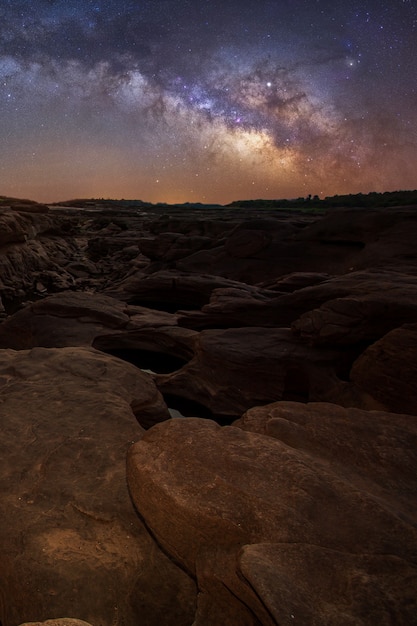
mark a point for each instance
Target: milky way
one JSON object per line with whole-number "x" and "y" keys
{"x": 207, "y": 100}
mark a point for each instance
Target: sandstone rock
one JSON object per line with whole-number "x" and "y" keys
{"x": 346, "y": 321}
{"x": 172, "y": 246}
{"x": 204, "y": 222}
{"x": 30, "y": 249}
{"x": 303, "y": 584}
{"x": 32, "y": 207}
{"x": 311, "y": 519}
{"x": 390, "y": 300}
{"x": 163, "y": 340}
{"x": 142, "y": 317}
{"x": 295, "y": 280}
{"x": 375, "y": 449}
{"x": 245, "y": 243}
{"x": 235, "y": 369}
{"x": 369, "y": 238}
{"x": 169, "y": 289}
{"x": 257, "y": 255}
{"x": 63, "y": 621}
{"x": 335, "y": 243}
{"x": 392, "y": 290}
{"x": 13, "y": 229}
{"x": 63, "y": 319}
{"x": 71, "y": 542}
{"x": 289, "y": 529}
{"x": 387, "y": 370}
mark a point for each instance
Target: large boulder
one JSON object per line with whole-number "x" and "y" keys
{"x": 169, "y": 289}
{"x": 169, "y": 346}
{"x": 63, "y": 319}
{"x": 288, "y": 528}
{"x": 387, "y": 370}
{"x": 235, "y": 369}
{"x": 378, "y": 303}
{"x": 71, "y": 543}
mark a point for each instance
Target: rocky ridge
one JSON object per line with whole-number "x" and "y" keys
{"x": 287, "y": 339}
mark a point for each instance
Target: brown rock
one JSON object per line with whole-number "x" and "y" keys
{"x": 63, "y": 621}
{"x": 303, "y": 584}
{"x": 172, "y": 246}
{"x": 366, "y": 446}
{"x": 63, "y": 319}
{"x": 368, "y": 237}
{"x": 387, "y": 370}
{"x": 335, "y": 243}
{"x": 390, "y": 300}
{"x": 70, "y": 540}
{"x": 235, "y": 369}
{"x": 343, "y": 540}
{"x": 32, "y": 207}
{"x": 375, "y": 298}
{"x": 28, "y": 249}
{"x": 245, "y": 243}
{"x": 163, "y": 340}
{"x": 169, "y": 289}
{"x": 295, "y": 280}
{"x": 13, "y": 228}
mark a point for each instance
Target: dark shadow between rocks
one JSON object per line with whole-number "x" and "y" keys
{"x": 344, "y": 243}
{"x": 167, "y": 306}
{"x": 296, "y": 385}
{"x": 183, "y": 407}
{"x": 147, "y": 360}
{"x": 14, "y": 304}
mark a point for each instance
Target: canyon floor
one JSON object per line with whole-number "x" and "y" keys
{"x": 208, "y": 415}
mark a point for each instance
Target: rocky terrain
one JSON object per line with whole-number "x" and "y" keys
{"x": 208, "y": 415}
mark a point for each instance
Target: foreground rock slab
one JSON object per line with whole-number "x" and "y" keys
{"x": 278, "y": 526}
{"x": 71, "y": 543}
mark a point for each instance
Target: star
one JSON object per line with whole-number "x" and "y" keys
{"x": 105, "y": 92}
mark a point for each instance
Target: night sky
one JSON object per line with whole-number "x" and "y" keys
{"x": 209, "y": 100}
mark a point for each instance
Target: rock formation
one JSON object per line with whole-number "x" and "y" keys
{"x": 71, "y": 543}
{"x": 249, "y": 513}
{"x": 294, "y": 332}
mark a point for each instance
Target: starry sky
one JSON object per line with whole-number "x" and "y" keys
{"x": 207, "y": 100}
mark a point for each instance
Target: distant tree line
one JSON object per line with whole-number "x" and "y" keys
{"x": 373, "y": 199}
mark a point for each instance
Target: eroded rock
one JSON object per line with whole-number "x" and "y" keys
{"x": 62, "y": 320}
{"x": 387, "y": 370}
{"x": 235, "y": 369}
{"x": 71, "y": 541}
{"x": 286, "y": 528}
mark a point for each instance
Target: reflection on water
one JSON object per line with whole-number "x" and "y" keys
{"x": 174, "y": 413}
{"x": 180, "y": 407}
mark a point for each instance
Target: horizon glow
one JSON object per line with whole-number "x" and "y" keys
{"x": 175, "y": 101}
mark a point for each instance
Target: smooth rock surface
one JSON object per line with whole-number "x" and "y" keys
{"x": 387, "y": 370}
{"x": 71, "y": 542}
{"x": 235, "y": 369}
{"x": 62, "y": 320}
{"x": 287, "y": 525}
